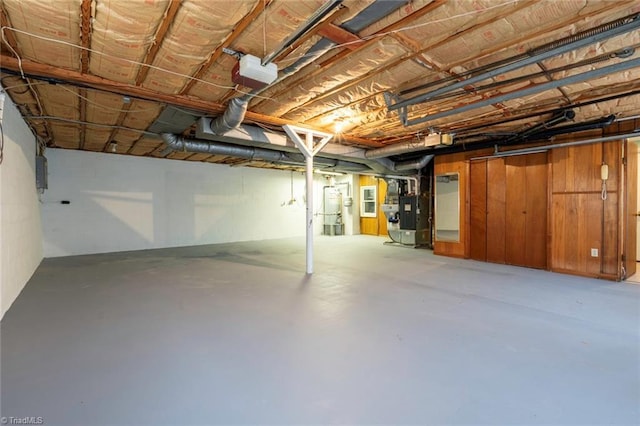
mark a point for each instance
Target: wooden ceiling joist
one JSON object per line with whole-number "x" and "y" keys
{"x": 75, "y": 78}
{"x": 317, "y": 30}
{"x": 85, "y": 35}
{"x": 417, "y": 53}
{"x": 341, "y": 36}
{"x": 190, "y": 102}
{"x": 83, "y": 116}
{"x": 172, "y": 9}
{"x": 607, "y": 8}
{"x": 361, "y": 46}
{"x": 407, "y": 52}
{"x": 233, "y": 35}
{"x": 119, "y": 122}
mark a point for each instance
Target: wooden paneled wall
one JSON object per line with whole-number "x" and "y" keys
{"x": 630, "y": 213}
{"x": 546, "y": 210}
{"x": 508, "y": 210}
{"x": 374, "y": 225}
{"x": 581, "y": 221}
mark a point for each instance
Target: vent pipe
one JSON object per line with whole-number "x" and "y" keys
{"x": 545, "y": 125}
{"x": 414, "y": 165}
{"x": 232, "y": 116}
{"x": 179, "y": 143}
{"x": 412, "y": 146}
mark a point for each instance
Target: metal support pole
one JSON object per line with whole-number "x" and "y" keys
{"x": 309, "y": 176}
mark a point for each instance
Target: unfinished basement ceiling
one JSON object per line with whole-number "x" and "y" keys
{"x": 90, "y": 73}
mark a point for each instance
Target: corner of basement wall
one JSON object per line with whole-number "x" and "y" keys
{"x": 20, "y": 220}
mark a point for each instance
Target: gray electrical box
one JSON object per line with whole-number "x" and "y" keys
{"x": 41, "y": 172}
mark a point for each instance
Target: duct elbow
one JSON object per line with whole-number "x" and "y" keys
{"x": 174, "y": 142}
{"x": 231, "y": 118}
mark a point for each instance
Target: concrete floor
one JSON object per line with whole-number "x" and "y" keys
{"x": 236, "y": 333}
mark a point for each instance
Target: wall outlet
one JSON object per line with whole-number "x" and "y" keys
{"x": 594, "y": 252}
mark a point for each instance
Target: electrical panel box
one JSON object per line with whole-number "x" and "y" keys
{"x": 41, "y": 172}
{"x": 407, "y": 213}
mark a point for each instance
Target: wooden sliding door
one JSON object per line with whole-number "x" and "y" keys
{"x": 508, "y": 214}
{"x": 478, "y": 210}
{"x": 526, "y": 210}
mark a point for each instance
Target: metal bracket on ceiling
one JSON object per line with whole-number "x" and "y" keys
{"x": 234, "y": 53}
{"x": 391, "y": 99}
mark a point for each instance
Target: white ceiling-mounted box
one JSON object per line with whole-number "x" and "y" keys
{"x": 249, "y": 72}
{"x": 435, "y": 139}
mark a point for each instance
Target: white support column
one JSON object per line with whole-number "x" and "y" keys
{"x": 309, "y": 149}
{"x": 309, "y": 176}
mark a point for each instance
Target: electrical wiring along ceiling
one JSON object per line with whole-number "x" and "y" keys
{"x": 96, "y": 75}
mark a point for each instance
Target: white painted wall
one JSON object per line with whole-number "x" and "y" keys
{"x": 20, "y": 230}
{"x": 120, "y": 203}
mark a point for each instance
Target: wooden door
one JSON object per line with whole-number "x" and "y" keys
{"x": 631, "y": 208}
{"x": 536, "y": 208}
{"x": 478, "y": 210}
{"x": 374, "y": 225}
{"x": 526, "y": 210}
{"x": 516, "y": 210}
{"x": 382, "y": 218}
{"x": 496, "y": 210}
{"x": 487, "y": 210}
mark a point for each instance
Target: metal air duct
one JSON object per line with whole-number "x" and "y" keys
{"x": 414, "y": 165}
{"x": 179, "y": 143}
{"x": 232, "y": 116}
{"x": 407, "y": 147}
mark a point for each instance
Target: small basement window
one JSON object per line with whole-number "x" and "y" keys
{"x": 368, "y": 197}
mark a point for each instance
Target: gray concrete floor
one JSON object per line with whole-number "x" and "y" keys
{"x": 236, "y": 333}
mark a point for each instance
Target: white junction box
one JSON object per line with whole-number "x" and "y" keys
{"x": 251, "y": 73}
